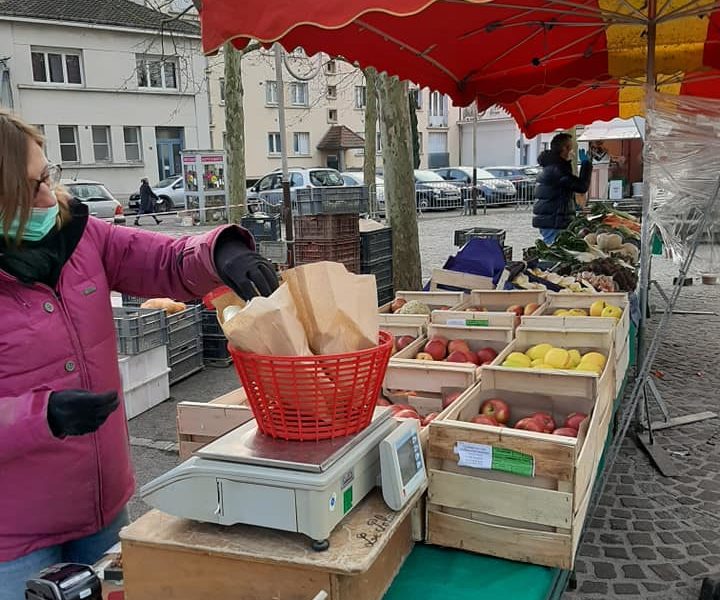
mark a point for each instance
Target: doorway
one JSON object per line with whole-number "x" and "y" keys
{"x": 169, "y": 141}
{"x": 332, "y": 162}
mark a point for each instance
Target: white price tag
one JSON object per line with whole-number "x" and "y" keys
{"x": 477, "y": 456}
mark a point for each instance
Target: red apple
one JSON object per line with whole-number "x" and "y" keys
{"x": 448, "y": 399}
{"x": 573, "y": 420}
{"x": 404, "y": 341}
{"x": 486, "y": 355}
{"x": 429, "y": 418}
{"x": 496, "y": 408}
{"x": 408, "y": 413}
{"x": 436, "y": 348}
{"x": 440, "y": 338}
{"x": 458, "y": 345}
{"x": 472, "y": 357}
{"x": 531, "y": 308}
{"x": 457, "y": 356}
{"x": 566, "y": 431}
{"x": 383, "y": 401}
{"x": 423, "y": 356}
{"x": 546, "y": 420}
{"x": 397, "y": 304}
{"x": 517, "y": 309}
{"x": 484, "y": 420}
{"x": 529, "y": 424}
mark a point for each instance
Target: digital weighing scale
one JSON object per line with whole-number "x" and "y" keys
{"x": 305, "y": 487}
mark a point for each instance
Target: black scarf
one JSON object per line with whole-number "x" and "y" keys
{"x": 42, "y": 261}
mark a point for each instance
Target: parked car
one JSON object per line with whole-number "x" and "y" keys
{"x": 170, "y": 193}
{"x": 377, "y": 191}
{"x": 523, "y": 179}
{"x": 99, "y": 200}
{"x": 267, "y": 192}
{"x": 433, "y": 192}
{"x": 490, "y": 188}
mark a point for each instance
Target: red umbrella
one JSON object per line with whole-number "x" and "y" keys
{"x": 494, "y": 51}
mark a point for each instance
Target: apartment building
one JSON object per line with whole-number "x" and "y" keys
{"x": 118, "y": 88}
{"x": 325, "y": 116}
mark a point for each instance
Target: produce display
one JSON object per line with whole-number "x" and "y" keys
{"x": 519, "y": 310}
{"x": 496, "y": 412}
{"x": 599, "y": 308}
{"x": 401, "y": 342}
{"x": 439, "y": 348}
{"x": 598, "y": 252}
{"x": 405, "y": 410}
{"x": 400, "y": 306}
{"x": 546, "y": 356}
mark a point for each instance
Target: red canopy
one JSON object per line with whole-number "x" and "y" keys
{"x": 495, "y": 51}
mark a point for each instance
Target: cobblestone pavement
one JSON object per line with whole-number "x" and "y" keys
{"x": 650, "y": 537}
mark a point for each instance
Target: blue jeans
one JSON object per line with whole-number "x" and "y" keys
{"x": 549, "y": 235}
{"x": 87, "y": 551}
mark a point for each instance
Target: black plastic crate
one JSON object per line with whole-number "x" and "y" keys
{"x": 210, "y": 324}
{"x": 326, "y": 227}
{"x": 385, "y": 294}
{"x": 508, "y": 253}
{"x": 382, "y": 269}
{"x": 462, "y": 236}
{"x": 215, "y": 347}
{"x": 375, "y": 245}
{"x": 263, "y": 229}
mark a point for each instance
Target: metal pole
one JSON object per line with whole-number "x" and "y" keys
{"x": 287, "y": 203}
{"x": 474, "y": 193}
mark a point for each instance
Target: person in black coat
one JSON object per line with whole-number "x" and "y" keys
{"x": 147, "y": 202}
{"x": 556, "y": 187}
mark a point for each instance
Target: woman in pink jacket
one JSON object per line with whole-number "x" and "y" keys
{"x": 65, "y": 470}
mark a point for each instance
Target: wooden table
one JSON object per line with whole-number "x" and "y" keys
{"x": 168, "y": 557}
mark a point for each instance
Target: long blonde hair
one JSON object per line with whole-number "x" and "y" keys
{"x": 16, "y": 190}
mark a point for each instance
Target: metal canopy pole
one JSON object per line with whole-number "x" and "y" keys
{"x": 286, "y": 203}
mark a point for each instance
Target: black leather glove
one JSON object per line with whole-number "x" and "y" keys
{"x": 77, "y": 412}
{"x": 245, "y": 271}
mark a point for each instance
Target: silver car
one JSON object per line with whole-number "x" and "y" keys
{"x": 99, "y": 200}
{"x": 266, "y": 194}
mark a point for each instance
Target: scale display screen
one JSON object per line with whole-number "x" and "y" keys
{"x": 409, "y": 463}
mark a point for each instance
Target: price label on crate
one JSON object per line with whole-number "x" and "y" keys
{"x": 468, "y": 322}
{"x": 484, "y": 456}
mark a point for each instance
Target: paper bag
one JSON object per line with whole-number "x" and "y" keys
{"x": 337, "y": 308}
{"x": 268, "y": 326}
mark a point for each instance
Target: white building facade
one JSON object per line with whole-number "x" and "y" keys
{"x": 116, "y": 101}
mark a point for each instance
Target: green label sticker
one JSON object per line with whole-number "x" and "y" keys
{"x": 484, "y": 456}
{"x": 347, "y": 500}
{"x": 477, "y": 322}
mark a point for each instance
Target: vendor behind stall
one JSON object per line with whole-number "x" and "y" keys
{"x": 556, "y": 187}
{"x": 65, "y": 470}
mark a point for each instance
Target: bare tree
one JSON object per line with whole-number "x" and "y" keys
{"x": 371, "y": 115}
{"x": 400, "y": 203}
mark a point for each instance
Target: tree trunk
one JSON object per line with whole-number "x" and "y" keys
{"x": 400, "y": 204}
{"x": 371, "y": 114}
{"x": 235, "y": 178}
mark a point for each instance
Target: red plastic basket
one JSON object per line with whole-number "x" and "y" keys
{"x": 312, "y": 398}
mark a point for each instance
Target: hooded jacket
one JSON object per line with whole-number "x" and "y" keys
{"x": 56, "y": 490}
{"x": 555, "y": 191}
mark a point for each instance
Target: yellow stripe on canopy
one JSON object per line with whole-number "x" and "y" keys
{"x": 631, "y": 99}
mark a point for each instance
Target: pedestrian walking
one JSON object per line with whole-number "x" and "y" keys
{"x": 65, "y": 469}
{"x": 147, "y": 202}
{"x": 556, "y": 187}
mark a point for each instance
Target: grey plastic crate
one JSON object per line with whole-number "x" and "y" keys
{"x": 184, "y": 327}
{"x": 139, "y": 329}
{"x": 331, "y": 200}
{"x": 185, "y": 361}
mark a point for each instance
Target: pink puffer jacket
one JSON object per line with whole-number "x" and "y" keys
{"x": 54, "y": 490}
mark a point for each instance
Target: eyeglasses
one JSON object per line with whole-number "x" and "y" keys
{"x": 50, "y": 179}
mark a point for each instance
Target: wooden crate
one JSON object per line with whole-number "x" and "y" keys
{"x": 398, "y": 325}
{"x": 199, "y": 423}
{"x": 536, "y": 518}
{"x": 582, "y": 340}
{"x": 435, "y": 300}
{"x": 467, "y": 318}
{"x": 497, "y": 338}
{"x": 500, "y": 300}
{"x": 556, "y": 301}
{"x": 456, "y": 279}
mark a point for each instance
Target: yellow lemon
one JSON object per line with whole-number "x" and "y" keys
{"x": 519, "y": 359}
{"x": 589, "y": 368}
{"x": 574, "y": 358}
{"x": 596, "y": 308}
{"x": 578, "y": 312}
{"x": 542, "y": 365}
{"x": 536, "y": 362}
{"x": 561, "y": 312}
{"x": 593, "y": 358}
{"x": 558, "y": 358}
{"x": 612, "y": 311}
{"x": 539, "y": 351}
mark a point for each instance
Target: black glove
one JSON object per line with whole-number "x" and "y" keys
{"x": 245, "y": 271}
{"x": 77, "y": 412}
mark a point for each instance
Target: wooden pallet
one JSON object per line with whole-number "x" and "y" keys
{"x": 536, "y": 518}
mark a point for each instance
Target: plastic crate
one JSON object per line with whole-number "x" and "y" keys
{"x": 326, "y": 227}
{"x": 276, "y": 252}
{"x": 385, "y": 294}
{"x": 185, "y": 326}
{"x": 462, "y": 236}
{"x": 136, "y": 368}
{"x": 139, "y": 329}
{"x": 136, "y": 301}
{"x": 375, "y": 245}
{"x": 185, "y": 361}
{"x": 210, "y": 324}
{"x": 508, "y": 253}
{"x": 382, "y": 269}
{"x": 147, "y": 394}
{"x": 346, "y": 252}
{"x": 331, "y": 201}
{"x": 263, "y": 229}
{"x": 215, "y": 351}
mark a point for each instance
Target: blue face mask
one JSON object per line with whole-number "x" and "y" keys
{"x": 40, "y": 223}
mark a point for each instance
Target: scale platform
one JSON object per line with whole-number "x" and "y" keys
{"x": 246, "y": 445}
{"x": 249, "y": 478}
